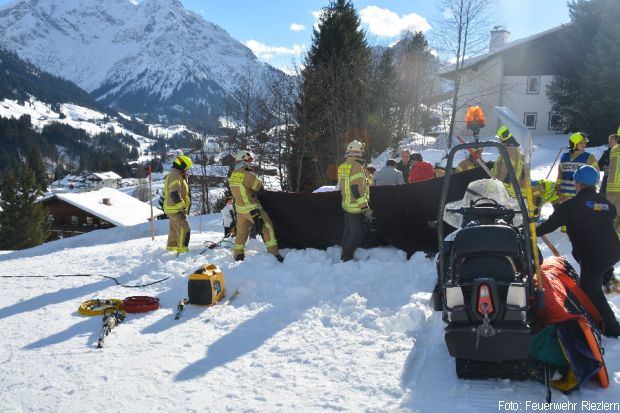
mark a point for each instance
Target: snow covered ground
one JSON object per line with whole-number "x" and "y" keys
{"x": 310, "y": 334}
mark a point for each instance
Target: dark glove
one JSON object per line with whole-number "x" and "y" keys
{"x": 258, "y": 221}
{"x": 181, "y": 214}
{"x": 367, "y": 215}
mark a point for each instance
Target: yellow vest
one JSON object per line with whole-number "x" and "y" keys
{"x": 613, "y": 180}
{"x": 500, "y": 170}
{"x": 351, "y": 173}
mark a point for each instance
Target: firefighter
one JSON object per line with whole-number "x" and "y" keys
{"x": 470, "y": 162}
{"x": 176, "y": 204}
{"x": 245, "y": 187}
{"x": 569, "y": 163}
{"x": 500, "y": 170}
{"x": 543, "y": 192}
{"x": 354, "y": 189}
{"x": 588, "y": 217}
{"x": 613, "y": 180}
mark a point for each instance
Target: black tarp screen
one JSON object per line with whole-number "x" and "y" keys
{"x": 402, "y": 214}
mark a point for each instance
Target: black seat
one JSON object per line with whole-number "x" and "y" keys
{"x": 500, "y": 268}
{"x": 487, "y": 239}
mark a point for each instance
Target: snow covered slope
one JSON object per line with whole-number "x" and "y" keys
{"x": 143, "y": 57}
{"x": 310, "y": 334}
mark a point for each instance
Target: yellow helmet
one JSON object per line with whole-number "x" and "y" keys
{"x": 183, "y": 162}
{"x": 244, "y": 155}
{"x": 503, "y": 133}
{"x": 575, "y": 139}
{"x": 355, "y": 146}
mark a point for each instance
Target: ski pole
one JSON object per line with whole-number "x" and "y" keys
{"x": 476, "y": 158}
{"x": 553, "y": 165}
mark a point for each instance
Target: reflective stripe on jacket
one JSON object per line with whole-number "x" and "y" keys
{"x": 244, "y": 184}
{"x": 353, "y": 185}
{"x": 466, "y": 165}
{"x": 500, "y": 170}
{"x": 569, "y": 163}
{"x": 613, "y": 180}
{"x": 176, "y": 193}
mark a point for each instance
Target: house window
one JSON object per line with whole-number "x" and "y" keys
{"x": 89, "y": 221}
{"x": 74, "y": 220}
{"x": 530, "y": 120}
{"x": 555, "y": 121}
{"x": 50, "y": 218}
{"x": 533, "y": 85}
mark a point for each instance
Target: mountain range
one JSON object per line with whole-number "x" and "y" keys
{"x": 154, "y": 57}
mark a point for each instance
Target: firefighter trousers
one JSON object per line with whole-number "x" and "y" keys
{"x": 178, "y": 234}
{"x": 352, "y": 236}
{"x": 614, "y": 198}
{"x": 245, "y": 223}
{"x": 591, "y": 282}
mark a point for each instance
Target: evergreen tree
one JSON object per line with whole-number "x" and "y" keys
{"x": 333, "y": 106}
{"x": 381, "y": 119}
{"x": 10, "y": 214}
{"x": 23, "y": 220}
{"x": 35, "y": 163}
{"x": 588, "y": 94}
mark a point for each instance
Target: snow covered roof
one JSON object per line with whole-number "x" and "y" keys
{"x": 447, "y": 70}
{"x": 123, "y": 210}
{"x": 106, "y": 175}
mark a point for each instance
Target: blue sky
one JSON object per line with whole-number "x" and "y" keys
{"x": 278, "y": 31}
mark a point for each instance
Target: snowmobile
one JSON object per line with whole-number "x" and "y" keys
{"x": 485, "y": 270}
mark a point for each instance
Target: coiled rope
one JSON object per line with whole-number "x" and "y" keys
{"x": 100, "y": 307}
{"x": 140, "y": 304}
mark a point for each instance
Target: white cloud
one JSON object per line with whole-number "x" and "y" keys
{"x": 317, "y": 14}
{"x": 265, "y": 52}
{"x": 297, "y": 27}
{"x": 386, "y": 23}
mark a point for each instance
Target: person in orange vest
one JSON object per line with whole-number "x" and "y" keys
{"x": 420, "y": 169}
{"x": 245, "y": 187}
{"x": 575, "y": 158}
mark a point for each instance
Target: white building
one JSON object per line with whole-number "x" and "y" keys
{"x": 512, "y": 74}
{"x": 98, "y": 180}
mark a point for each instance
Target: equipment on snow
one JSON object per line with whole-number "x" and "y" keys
{"x": 98, "y": 306}
{"x": 111, "y": 318}
{"x": 223, "y": 304}
{"x": 140, "y": 304}
{"x": 205, "y": 286}
{"x": 485, "y": 275}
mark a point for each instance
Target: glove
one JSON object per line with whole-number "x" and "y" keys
{"x": 367, "y": 215}
{"x": 258, "y": 221}
{"x": 182, "y": 214}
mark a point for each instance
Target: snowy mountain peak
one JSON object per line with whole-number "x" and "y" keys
{"x": 147, "y": 56}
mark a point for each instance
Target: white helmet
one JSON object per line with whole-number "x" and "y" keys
{"x": 355, "y": 146}
{"x": 244, "y": 155}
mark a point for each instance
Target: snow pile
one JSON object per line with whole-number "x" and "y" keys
{"x": 310, "y": 334}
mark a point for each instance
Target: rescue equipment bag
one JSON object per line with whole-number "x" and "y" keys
{"x": 206, "y": 285}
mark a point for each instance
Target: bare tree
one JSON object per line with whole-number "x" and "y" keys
{"x": 463, "y": 34}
